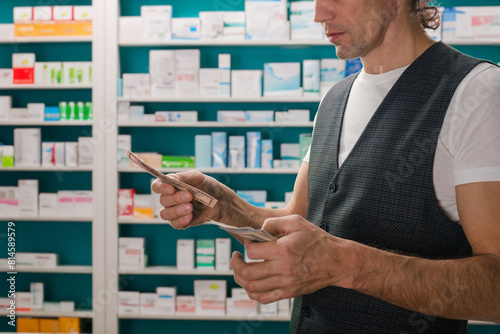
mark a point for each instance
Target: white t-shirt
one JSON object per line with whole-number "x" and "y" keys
{"x": 468, "y": 148}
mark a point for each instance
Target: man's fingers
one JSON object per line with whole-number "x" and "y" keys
{"x": 178, "y": 198}
{"x": 281, "y": 226}
{"x": 174, "y": 212}
{"x": 253, "y": 270}
{"x": 260, "y": 250}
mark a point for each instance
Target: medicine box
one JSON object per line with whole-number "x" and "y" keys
{"x": 282, "y": 79}
{"x": 131, "y": 253}
{"x": 203, "y": 151}
{"x": 253, "y": 149}
{"x": 332, "y": 71}
{"x": 27, "y": 143}
{"x": 205, "y": 253}
{"x": 185, "y": 304}
{"x": 148, "y": 303}
{"x": 210, "y": 297}
{"x": 9, "y": 202}
{"x": 128, "y": 302}
{"x": 222, "y": 253}
{"x": 246, "y": 83}
{"x": 23, "y": 65}
{"x": 47, "y": 204}
{"x": 28, "y": 198}
{"x": 185, "y": 254}
{"x": 38, "y": 260}
{"x": 185, "y": 28}
{"x": 219, "y": 149}
{"x": 165, "y": 303}
{"x": 236, "y": 152}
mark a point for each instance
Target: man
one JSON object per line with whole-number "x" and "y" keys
{"x": 394, "y": 225}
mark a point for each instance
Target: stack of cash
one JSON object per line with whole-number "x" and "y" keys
{"x": 245, "y": 232}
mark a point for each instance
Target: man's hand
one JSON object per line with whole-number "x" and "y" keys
{"x": 180, "y": 208}
{"x": 305, "y": 259}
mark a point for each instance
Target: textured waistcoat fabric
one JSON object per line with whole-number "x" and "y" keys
{"x": 383, "y": 194}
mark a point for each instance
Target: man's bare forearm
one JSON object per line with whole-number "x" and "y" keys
{"x": 466, "y": 288}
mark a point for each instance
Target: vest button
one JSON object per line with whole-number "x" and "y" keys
{"x": 324, "y": 227}
{"x": 333, "y": 187}
{"x": 306, "y": 311}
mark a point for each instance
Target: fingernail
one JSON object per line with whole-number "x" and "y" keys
{"x": 185, "y": 197}
{"x": 186, "y": 208}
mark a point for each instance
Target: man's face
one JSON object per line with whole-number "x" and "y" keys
{"x": 356, "y": 27}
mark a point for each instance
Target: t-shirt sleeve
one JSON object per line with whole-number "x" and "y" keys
{"x": 475, "y": 129}
{"x": 308, "y": 154}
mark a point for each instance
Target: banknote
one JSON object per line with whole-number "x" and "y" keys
{"x": 245, "y": 232}
{"x": 198, "y": 195}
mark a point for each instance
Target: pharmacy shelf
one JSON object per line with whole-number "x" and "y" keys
{"x": 48, "y": 123}
{"x": 252, "y": 43}
{"x": 45, "y": 169}
{"x": 262, "y": 99}
{"x": 55, "y": 270}
{"x": 217, "y": 125}
{"x": 48, "y": 219}
{"x": 475, "y": 322}
{"x": 145, "y": 221}
{"x": 7, "y": 37}
{"x": 41, "y": 314}
{"x": 259, "y": 171}
{"x": 171, "y": 270}
{"x": 178, "y": 316}
{"x": 54, "y": 87}
{"x": 472, "y": 42}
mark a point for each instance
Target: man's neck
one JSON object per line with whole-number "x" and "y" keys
{"x": 398, "y": 49}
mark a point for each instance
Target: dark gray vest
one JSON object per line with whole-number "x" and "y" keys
{"x": 383, "y": 194}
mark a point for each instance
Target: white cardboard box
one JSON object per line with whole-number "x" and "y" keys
{"x": 85, "y": 151}
{"x": 212, "y": 25}
{"x": 148, "y": 303}
{"x": 9, "y": 202}
{"x": 131, "y": 253}
{"x": 128, "y": 302}
{"x": 187, "y": 67}
{"x": 136, "y": 85}
{"x": 65, "y": 204}
{"x": 222, "y": 253}
{"x": 185, "y": 254}
{"x": 83, "y": 203}
{"x": 5, "y": 105}
{"x": 36, "y": 112}
{"x": 210, "y": 297}
{"x": 47, "y": 203}
{"x": 210, "y": 81}
{"x": 166, "y": 300}
{"x": 27, "y": 143}
{"x": 162, "y": 72}
{"x": 246, "y": 83}
{"x": 184, "y": 304}
{"x": 38, "y": 260}
{"x": 28, "y": 198}
{"x": 185, "y": 28}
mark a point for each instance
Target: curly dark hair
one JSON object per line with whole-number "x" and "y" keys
{"x": 427, "y": 14}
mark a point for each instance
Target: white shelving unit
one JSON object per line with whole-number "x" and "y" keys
{"x": 154, "y": 221}
{"x": 52, "y": 219}
{"x": 97, "y": 220}
{"x": 55, "y": 87}
{"x": 57, "y": 270}
{"x": 45, "y": 169}
{"x": 41, "y": 314}
{"x": 170, "y": 270}
{"x": 7, "y": 37}
{"x": 217, "y": 170}
{"x": 48, "y": 123}
{"x": 200, "y": 99}
{"x": 215, "y": 125}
